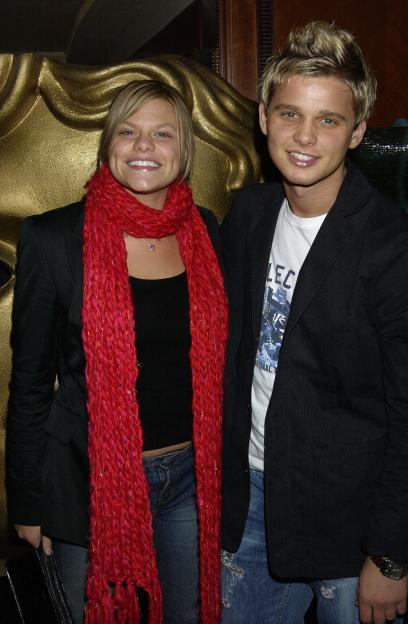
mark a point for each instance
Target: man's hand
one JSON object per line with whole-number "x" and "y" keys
{"x": 380, "y": 598}
{"x": 32, "y": 534}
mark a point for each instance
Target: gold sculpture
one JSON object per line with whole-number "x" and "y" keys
{"x": 51, "y": 115}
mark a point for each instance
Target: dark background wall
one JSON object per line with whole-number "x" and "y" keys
{"x": 255, "y": 28}
{"x": 234, "y": 37}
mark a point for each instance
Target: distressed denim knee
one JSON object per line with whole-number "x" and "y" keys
{"x": 232, "y": 577}
{"x": 250, "y": 596}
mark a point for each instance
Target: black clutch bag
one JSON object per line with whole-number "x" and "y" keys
{"x": 37, "y": 589}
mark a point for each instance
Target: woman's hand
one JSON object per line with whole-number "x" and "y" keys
{"x": 32, "y": 534}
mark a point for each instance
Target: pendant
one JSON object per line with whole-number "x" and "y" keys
{"x": 150, "y": 246}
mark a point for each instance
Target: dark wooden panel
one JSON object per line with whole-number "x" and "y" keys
{"x": 393, "y": 90}
{"x": 238, "y": 45}
{"x": 265, "y": 31}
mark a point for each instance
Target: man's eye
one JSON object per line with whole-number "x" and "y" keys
{"x": 289, "y": 114}
{"x": 328, "y": 121}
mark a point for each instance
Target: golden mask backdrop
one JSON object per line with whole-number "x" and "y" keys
{"x": 51, "y": 116}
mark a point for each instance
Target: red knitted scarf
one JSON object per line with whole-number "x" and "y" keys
{"x": 121, "y": 552}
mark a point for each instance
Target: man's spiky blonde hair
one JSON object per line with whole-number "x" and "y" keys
{"x": 321, "y": 49}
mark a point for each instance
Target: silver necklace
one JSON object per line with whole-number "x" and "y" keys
{"x": 151, "y": 246}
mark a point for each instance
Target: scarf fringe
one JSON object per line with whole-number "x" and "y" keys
{"x": 122, "y": 606}
{"x": 99, "y": 612}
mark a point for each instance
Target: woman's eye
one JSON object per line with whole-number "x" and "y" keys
{"x": 126, "y": 132}
{"x": 163, "y": 134}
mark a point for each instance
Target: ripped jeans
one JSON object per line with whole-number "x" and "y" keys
{"x": 252, "y": 596}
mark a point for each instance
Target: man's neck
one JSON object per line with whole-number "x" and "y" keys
{"x": 314, "y": 200}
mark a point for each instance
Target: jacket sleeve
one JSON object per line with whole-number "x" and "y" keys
{"x": 213, "y": 230}
{"x": 387, "y": 531}
{"x": 33, "y": 375}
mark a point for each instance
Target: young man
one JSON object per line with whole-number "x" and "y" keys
{"x": 316, "y": 425}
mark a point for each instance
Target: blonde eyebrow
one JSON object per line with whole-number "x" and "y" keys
{"x": 279, "y": 106}
{"x": 156, "y": 126}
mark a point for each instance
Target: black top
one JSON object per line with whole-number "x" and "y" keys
{"x": 164, "y": 389}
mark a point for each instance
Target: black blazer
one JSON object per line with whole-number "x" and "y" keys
{"x": 336, "y": 431}
{"x": 47, "y": 466}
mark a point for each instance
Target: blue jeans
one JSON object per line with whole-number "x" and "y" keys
{"x": 173, "y": 505}
{"x": 252, "y": 596}
{"x": 174, "y": 509}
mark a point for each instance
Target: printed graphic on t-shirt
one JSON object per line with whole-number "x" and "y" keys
{"x": 278, "y": 295}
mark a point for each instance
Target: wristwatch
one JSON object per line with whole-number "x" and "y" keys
{"x": 389, "y": 568}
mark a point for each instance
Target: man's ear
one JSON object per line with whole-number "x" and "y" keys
{"x": 357, "y": 135}
{"x": 262, "y": 118}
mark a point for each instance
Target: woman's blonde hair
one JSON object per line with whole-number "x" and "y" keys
{"x": 131, "y": 99}
{"x": 321, "y": 49}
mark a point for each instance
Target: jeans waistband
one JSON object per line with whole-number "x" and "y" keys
{"x": 168, "y": 457}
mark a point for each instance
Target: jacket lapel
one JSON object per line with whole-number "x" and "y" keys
{"x": 330, "y": 241}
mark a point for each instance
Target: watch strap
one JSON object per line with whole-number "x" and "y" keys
{"x": 390, "y": 569}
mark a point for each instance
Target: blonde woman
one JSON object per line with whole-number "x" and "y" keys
{"x": 121, "y": 296}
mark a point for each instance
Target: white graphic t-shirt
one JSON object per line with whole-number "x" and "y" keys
{"x": 291, "y": 242}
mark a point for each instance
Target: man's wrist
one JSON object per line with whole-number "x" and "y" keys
{"x": 389, "y": 568}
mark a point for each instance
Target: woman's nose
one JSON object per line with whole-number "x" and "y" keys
{"x": 143, "y": 143}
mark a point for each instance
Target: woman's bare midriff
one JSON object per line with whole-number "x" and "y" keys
{"x": 166, "y": 449}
